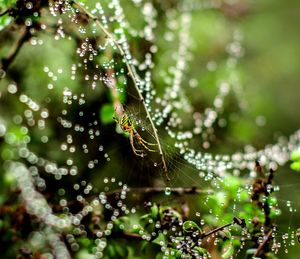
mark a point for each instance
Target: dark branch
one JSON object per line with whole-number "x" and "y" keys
{"x": 153, "y": 190}
{"x": 5, "y": 12}
{"x": 25, "y": 36}
{"x": 126, "y": 235}
{"x": 204, "y": 235}
{"x": 238, "y": 221}
{"x": 262, "y": 245}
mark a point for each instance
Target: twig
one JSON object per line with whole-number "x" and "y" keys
{"x": 153, "y": 190}
{"x": 134, "y": 77}
{"x": 127, "y": 235}
{"x": 268, "y": 192}
{"x": 238, "y": 221}
{"x": 261, "y": 246}
{"x": 204, "y": 235}
{"x": 5, "y": 12}
{"x": 25, "y": 35}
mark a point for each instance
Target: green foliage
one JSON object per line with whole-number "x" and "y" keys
{"x": 295, "y": 157}
{"x": 4, "y": 21}
{"x": 107, "y": 113}
{"x": 190, "y": 226}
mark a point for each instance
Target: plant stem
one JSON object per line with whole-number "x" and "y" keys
{"x": 153, "y": 190}
{"x": 204, "y": 235}
{"x": 127, "y": 235}
{"x": 24, "y": 36}
{"x": 135, "y": 79}
{"x": 5, "y": 12}
{"x": 261, "y": 246}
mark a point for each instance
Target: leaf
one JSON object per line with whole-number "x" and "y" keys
{"x": 154, "y": 211}
{"x": 7, "y": 154}
{"x": 244, "y": 195}
{"x": 159, "y": 256}
{"x": 144, "y": 245}
{"x": 295, "y": 155}
{"x": 191, "y": 226}
{"x": 85, "y": 242}
{"x": 160, "y": 240}
{"x": 227, "y": 234}
{"x": 145, "y": 217}
{"x": 296, "y": 166}
{"x": 136, "y": 229}
{"x": 115, "y": 250}
{"x": 200, "y": 251}
{"x": 176, "y": 253}
{"x": 120, "y": 223}
{"x": 228, "y": 250}
{"x": 251, "y": 251}
{"x": 4, "y": 21}
{"x": 272, "y": 201}
{"x": 84, "y": 254}
{"x": 121, "y": 251}
{"x": 107, "y": 113}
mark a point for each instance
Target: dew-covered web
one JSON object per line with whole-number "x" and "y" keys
{"x": 161, "y": 100}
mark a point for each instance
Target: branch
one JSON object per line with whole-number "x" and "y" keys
{"x": 126, "y": 235}
{"x": 134, "y": 77}
{"x": 261, "y": 246}
{"x": 5, "y": 12}
{"x": 236, "y": 220}
{"x": 204, "y": 235}
{"x": 153, "y": 190}
{"x": 24, "y": 36}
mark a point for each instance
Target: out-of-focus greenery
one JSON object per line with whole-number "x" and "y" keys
{"x": 270, "y": 78}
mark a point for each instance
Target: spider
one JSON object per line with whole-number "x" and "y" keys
{"x": 127, "y": 125}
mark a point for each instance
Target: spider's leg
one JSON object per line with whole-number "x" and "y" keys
{"x": 148, "y": 143}
{"x": 135, "y": 151}
{"x": 142, "y": 141}
{"x": 145, "y": 146}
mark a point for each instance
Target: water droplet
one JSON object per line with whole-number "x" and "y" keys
{"x": 2, "y": 130}
{"x": 29, "y": 5}
{"x": 2, "y": 73}
{"x": 167, "y": 191}
{"x": 12, "y": 88}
